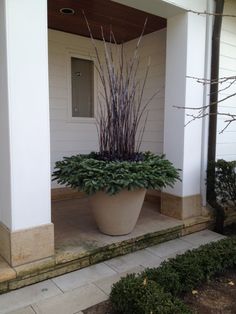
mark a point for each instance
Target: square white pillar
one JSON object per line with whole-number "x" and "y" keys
{"x": 24, "y": 131}
{"x": 186, "y": 41}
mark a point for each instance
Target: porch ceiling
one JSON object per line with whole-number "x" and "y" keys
{"x": 126, "y": 22}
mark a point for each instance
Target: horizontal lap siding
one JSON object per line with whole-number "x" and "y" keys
{"x": 153, "y": 46}
{"x": 68, "y": 138}
{"x": 226, "y": 142}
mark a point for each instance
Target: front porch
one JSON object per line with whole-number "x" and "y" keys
{"x": 40, "y": 241}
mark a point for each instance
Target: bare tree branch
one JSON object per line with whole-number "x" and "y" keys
{"x": 211, "y": 13}
{"x": 203, "y": 111}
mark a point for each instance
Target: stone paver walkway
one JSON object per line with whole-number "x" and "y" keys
{"x": 76, "y": 291}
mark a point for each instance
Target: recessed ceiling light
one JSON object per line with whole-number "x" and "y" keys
{"x": 67, "y": 11}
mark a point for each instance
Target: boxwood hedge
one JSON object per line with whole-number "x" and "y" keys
{"x": 157, "y": 290}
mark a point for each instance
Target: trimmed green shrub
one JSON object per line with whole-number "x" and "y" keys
{"x": 90, "y": 174}
{"x": 184, "y": 272}
{"x": 221, "y": 189}
{"x": 134, "y": 294}
{"x": 173, "y": 278}
{"x": 222, "y": 181}
{"x": 165, "y": 276}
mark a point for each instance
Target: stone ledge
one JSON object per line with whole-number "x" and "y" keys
{"x": 196, "y": 224}
{"x": 6, "y": 272}
{"x": 136, "y": 243}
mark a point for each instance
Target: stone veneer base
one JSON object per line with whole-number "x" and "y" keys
{"x": 27, "y": 245}
{"x": 181, "y": 207}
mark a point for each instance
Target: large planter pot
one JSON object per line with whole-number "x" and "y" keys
{"x": 117, "y": 214}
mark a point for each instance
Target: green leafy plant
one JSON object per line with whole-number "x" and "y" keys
{"x": 222, "y": 180}
{"x": 194, "y": 267}
{"x": 221, "y": 189}
{"x": 138, "y": 295}
{"x": 90, "y": 174}
{"x": 176, "y": 276}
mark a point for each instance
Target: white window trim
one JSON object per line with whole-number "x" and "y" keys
{"x": 72, "y": 119}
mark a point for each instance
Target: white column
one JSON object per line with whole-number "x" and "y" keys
{"x": 185, "y": 57}
{"x": 5, "y": 181}
{"x": 24, "y": 114}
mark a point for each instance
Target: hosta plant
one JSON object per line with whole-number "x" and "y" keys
{"x": 91, "y": 174}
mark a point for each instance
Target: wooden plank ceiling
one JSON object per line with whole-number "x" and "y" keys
{"x": 125, "y": 22}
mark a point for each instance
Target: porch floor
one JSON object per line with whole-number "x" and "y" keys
{"x": 76, "y": 232}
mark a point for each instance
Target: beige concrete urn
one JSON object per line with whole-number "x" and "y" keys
{"x": 117, "y": 214}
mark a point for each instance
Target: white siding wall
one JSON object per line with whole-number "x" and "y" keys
{"x": 69, "y": 137}
{"x": 226, "y": 142}
{"x": 153, "y": 46}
